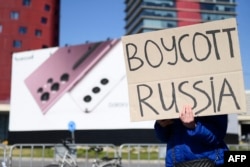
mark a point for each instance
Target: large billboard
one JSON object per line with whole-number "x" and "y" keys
{"x": 83, "y": 84}
{"x": 84, "y": 87}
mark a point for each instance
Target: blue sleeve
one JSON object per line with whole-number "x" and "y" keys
{"x": 162, "y": 133}
{"x": 211, "y": 130}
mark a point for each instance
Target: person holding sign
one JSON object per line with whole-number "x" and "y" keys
{"x": 192, "y": 138}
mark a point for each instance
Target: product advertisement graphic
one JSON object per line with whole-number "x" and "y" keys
{"x": 83, "y": 84}
{"x": 62, "y": 70}
{"x": 104, "y": 80}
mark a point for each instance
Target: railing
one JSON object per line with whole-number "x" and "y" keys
{"x": 133, "y": 155}
{"x": 146, "y": 155}
{"x": 239, "y": 147}
{"x": 40, "y": 155}
{"x": 2, "y": 151}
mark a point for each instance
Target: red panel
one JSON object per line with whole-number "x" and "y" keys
{"x": 29, "y": 17}
{"x": 188, "y": 12}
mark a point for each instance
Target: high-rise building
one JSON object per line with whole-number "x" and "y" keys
{"x": 24, "y": 25}
{"x": 149, "y": 15}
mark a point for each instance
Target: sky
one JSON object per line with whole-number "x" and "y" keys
{"x": 97, "y": 20}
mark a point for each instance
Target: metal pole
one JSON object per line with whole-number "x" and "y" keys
{"x": 73, "y": 136}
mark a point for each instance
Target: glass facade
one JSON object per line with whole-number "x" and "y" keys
{"x": 150, "y": 15}
{"x": 159, "y": 3}
{"x": 161, "y": 13}
{"x": 209, "y": 17}
{"x": 217, "y": 7}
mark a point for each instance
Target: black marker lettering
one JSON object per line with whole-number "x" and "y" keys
{"x": 194, "y": 46}
{"x": 129, "y": 47}
{"x": 213, "y": 32}
{"x": 212, "y": 92}
{"x": 181, "y": 53}
{"x": 173, "y": 48}
{"x": 185, "y": 93}
{"x": 154, "y": 56}
{"x": 173, "y": 99}
{"x": 231, "y": 93}
{"x": 195, "y": 86}
{"x": 228, "y": 31}
{"x": 143, "y": 100}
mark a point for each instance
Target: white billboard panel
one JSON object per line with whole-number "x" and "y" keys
{"x": 93, "y": 94}
{"x": 108, "y": 108}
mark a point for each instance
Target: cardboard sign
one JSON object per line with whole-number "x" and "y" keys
{"x": 197, "y": 65}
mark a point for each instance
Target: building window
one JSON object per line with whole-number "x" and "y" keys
{"x": 158, "y": 13}
{"x": 223, "y": 0}
{"x": 1, "y": 28}
{"x": 207, "y": 0}
{"x": 44, "y": 46}
{"x": 26, "y": 2}
{"x": 209, "y": 16}
{"x": 158, "y": 24}
{"x": 44, "y": 20}
{"x": 46, "y": 7}
{"x": 215, "y": 7}
{"x": 38, "y": 33}
{"x": 17, "y": 44}
{"x": 159, "y": 3}
{"x": 14, "y": 15}
{"x": 22, "y": 30}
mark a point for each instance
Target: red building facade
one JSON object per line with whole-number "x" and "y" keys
{"x": 25, "y": 25}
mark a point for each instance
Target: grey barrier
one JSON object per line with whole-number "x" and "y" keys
{"x": 143, "y": 155}
{"x": 40, "y": 155}
{"x": 133, "y": 155}
{"x": 239, "y": 147}
{"x": 3, "y": 154}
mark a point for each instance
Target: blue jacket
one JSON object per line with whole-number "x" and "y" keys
{"x": 206, "y": 140}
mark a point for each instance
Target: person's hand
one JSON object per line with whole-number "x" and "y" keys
{"x": 187, "y": 117}
{"x": 164, "y": 122}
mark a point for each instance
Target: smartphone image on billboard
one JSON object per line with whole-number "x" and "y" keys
{"x": 101, "y": 80}
{"x": 62, "y": 70}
